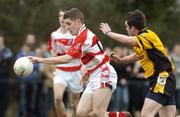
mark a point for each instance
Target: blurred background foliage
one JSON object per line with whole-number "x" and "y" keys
{"x": 19, "y": 17}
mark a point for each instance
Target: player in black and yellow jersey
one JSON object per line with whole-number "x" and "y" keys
{"x": 150, "y": 52}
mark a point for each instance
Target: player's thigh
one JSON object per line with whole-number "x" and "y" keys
{"x": 85, "y": 104}
{"x": 75, "y": 97}
{"x": 101, "y": 98}
{"x": 74, "y": 82}
{"x": 59, "y": 90}
{"x": 60, "y": 83}
{"x": 150, "y": 107}
{"x": 168, "y": 111}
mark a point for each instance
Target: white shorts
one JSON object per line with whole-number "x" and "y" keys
{"x": 70, "y": 80}
{"x": 103, "y": 76}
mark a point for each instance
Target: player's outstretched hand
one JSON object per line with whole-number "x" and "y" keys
{"x": 104, "y": 27}
{"x": 35, "y": 59}
{"x": 84, "y": 79}
{"x": 115, "y": 57}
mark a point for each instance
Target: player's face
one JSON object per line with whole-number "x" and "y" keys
{"x": 72, "y": 26}
{"x": 128, "y": 28}
{"x": 61, "y": 14}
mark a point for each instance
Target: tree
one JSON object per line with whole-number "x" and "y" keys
{"x": 19, "y": 17}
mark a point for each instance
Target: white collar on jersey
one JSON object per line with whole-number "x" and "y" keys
{"x": 83, "y": 27}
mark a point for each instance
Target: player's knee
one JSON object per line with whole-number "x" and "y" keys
{"x": 99, "y": 112}
{"x": 81, "y": 113}
{"x": 58, "y": 98}
{"x": 142, "y": 114}
{"x": 146, "y": 114}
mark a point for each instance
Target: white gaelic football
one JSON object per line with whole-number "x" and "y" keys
{"x": 23, "y": 67}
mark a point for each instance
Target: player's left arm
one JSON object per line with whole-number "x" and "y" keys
{"x": 124, "y": 60}
{"x": 129, "y": 40}
{"x": 52, "y": 60}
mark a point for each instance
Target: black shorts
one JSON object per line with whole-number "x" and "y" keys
{"x": 162, "y": 90}
{"x": 161, "y": 98}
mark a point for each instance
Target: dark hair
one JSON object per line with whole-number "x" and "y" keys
{"x": 74, "y": 14}
{"x": 137, "y": 19}
{"x": 63, "y": 9}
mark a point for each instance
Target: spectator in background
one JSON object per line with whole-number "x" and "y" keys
{"x": 38, "y": 84}
{"x": 44, "y": 48}
{"x": 47, "y": 71}
{"x": 137, "y": 89}
{"x": 176, "y": 58}
{"x": 138, "y": 70}
{"x": 121, "y": 93}
{"x": 27, "y": 86}
{"x": 31, "y": 40}
{"x": 6, "y": 58}
{"x": 49, "y": 110}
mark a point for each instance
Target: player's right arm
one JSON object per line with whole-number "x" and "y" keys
{"x": 52, "y": 60}
{"x": 124, "y": 60}
{"x": 129, "y": 40}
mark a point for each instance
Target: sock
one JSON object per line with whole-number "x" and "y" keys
{"x": 64, "y": 115}
{"x": 112, "y": 114}
{"x": 119, "y": 114}
{"x": 122, "y": 114}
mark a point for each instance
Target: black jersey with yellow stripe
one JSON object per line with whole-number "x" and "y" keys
{"x": 152, "y": 54}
